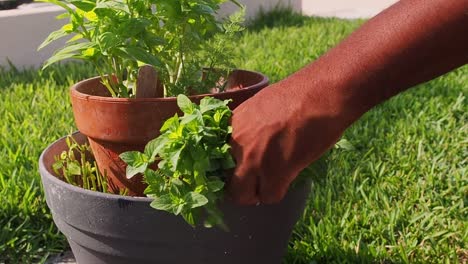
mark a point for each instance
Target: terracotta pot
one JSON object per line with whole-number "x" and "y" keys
{"x": 107, "y": 228}
{"x": 116, "y": 125}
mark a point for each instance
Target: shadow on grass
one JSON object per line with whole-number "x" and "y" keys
{"x": 285, "y": 17}
{"x": 61, "y": 74}
{"x": 279, "y": 16}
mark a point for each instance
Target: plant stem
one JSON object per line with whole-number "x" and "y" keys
{"x": 104, "y": 79}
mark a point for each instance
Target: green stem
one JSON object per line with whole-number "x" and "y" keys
{"x": 105, "y": 80}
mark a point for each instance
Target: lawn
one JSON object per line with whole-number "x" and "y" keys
{"x": 399, "y": 197}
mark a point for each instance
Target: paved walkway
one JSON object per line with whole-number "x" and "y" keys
{"x": 345, "y": 8}
{"x": 63, "y": 258}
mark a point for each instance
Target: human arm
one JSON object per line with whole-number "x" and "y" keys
{"x": 290, "y": 124}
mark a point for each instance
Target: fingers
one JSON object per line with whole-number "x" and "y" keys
{"x": 242, "y": 186}
{"x": 243, "y": 190}
{"x": 271, "y": 192}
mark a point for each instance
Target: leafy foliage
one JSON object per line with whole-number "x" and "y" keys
{"x": 192, "y": 155}
{"x": 77, "y": 167}
{"x": 177, "y": 37}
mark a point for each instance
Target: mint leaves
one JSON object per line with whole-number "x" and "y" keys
{"x": 192, "y": 156}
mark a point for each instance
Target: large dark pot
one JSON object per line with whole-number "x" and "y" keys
{"x": 116, "y": 125}
{"x": 8, "y": 4}
{"x": 114, "y": 229}
{"x": 12, "y": 4}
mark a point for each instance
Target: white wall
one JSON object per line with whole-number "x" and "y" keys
{"x": 23, "y": 30}
{"x": 345, "y": 8}
{"x": 253, "y": 6}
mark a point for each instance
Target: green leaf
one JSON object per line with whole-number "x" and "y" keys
{"x": 195, "y": 119}
{"x": 58, "y": 57}
{"x": 153, "y": 147}
{"x": 199, "y": 154}
{"x": 215, "y": 217}
{"x": 142, "y": 55}
{"x": 76, "y": 47}
{"x": 154, "y": 178}
{"x": 194, "y": 200}
{"x": 189, "y": 118}
{"x": 153, "y": 41}
{"x": 228, "y": 162}
{"x": 62, "y": 16}
{"x": 89, "y": 53}
{"x": 137, "y": 162}
{"x": 210, "y": 103}
{"x": 185, "y": 104}
{"x": 163, "y": 203}
{"x": 156, "y": 182}
{"x": 215, "y": 165}
{"x": 52, "y": 37}
{"x": 238, "y": 3}
{"x": 91, "y": 16}
{"x": 170, "y": 124}
{"x": 189, "y": 218}
{"x": 171, "y": 9}
{"x": 345, "y": 145}
{"x": 132, "y": 171}
{"x": 113, "y": 5}
{"x": 74, "y": 168}
{"x": 179, "y": 208}
{"x": 75, "y": 38}
{"x": 59, "y": 3}
{"x": 134, "y": 158}
{"x": 175, "y": 157}
{"x": 215, "y": 184}
{"x": 56, "y": 166}
{"x": 107, "y": 41}
{"x": 204, "y": 9}
{"x": 137, "y": 25}
{"x": 84, "y": 5}
{"x": 68, "y": 52}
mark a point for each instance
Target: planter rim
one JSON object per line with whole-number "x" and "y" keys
{"x": 46, "y": 173}
{"x": 262, "y": 83}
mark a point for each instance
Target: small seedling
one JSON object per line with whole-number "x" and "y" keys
{"x": 76, "y": 166}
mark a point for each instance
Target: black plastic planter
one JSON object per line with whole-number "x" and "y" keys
{"x": 107, "y": 228}
{"x": 8, "y": 4}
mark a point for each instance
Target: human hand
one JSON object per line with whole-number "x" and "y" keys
{"x": 288, "y": 125}
{"x": 276, "y": 134}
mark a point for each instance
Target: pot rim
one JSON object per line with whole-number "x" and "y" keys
{"x": 262, "y": 83}
{"x": 44, "y": 171}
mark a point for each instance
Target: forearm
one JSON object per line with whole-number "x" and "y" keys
{"x": 285, "y": 127}
{"x": 410, "y": 43}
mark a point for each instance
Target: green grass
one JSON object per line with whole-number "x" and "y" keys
{"x": 398, "y": 198}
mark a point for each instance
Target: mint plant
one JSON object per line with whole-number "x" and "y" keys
{"x": 177, "y": 37}
{"x": 192, "y": 155}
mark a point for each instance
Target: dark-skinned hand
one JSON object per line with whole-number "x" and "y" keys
{"x": 288, "y": 125}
